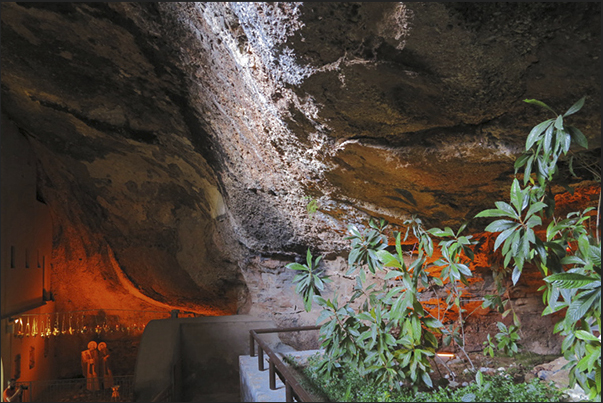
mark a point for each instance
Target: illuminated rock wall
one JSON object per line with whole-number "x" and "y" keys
{"x": 181, "y": 144}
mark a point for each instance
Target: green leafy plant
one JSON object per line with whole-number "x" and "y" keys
{"x": 578, "y": 290}
{"x": 507, "y": 338}
{"x": 572, "y": 274}
{"x": 312, "y": 206}
{"x": 489, "y": 346}
{"x": 310, "y": 281}
{"x": 456, "y": 255}
{"x": 350, "y": 385}
{"x": 389, "y": 338}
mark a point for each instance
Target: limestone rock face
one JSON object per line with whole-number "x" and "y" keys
{"x": 179, "y": 142}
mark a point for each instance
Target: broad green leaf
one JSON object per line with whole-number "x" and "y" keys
{"x": 543, "y": 169}
{"x": 308, "y": 301}
{"x": 354, "y": 231}
{"x": 504, "y": 235}
{"x": 521, "y": 161}
{"x": 388, "y": 260}
{"x": 416, "y": 329}
{"x": 469, "y": 397}
{"x": 536, "y": 132}
{"x": 559, "y": 122}
{"x": 507, "y": 209}
{"x": 569, "y": 280}
{"x": 528, "y": 170}
{"x": 572, "y": 260}
{"x": 320, "y": 300}
{"x": 566, "y": 140}
{"x": 580, "y": 306}
{"x": 535, "y": 208}
{"x": 508, "y": 256}
{"x": 515, "y": 241}
{"x": 296, "y": 266}
{"x": 534, "y": 221}
{"x": 479, "y": 378}
{"x": 546, "y": 141}
{"x": 441, "y": 233}
{"x": 318, "y": 283}
{"x": 353, "y": 256}
{"x": 309, "y": 258}
{"x": 399, "y": 246}
{"x": 567, "y": 342}
{"x": 575, "y": 107}
{"x": 391, "y": 293}
{"x": 583, "y": 244}
{"x": 490, "y": 213}
{"x": 500, "y": 225}
{"x": 464, "y": 269}
{"x": 584, "y": 335}
{"x": 364, "y": 316}
{"x": 516, "y": 196}
{"x": 432, "y": 322}
{"x": 323, "y": 316}
{"x": 426, "y": 379}
{"x": 578, "y": 137}
{"x": 516, "y": 274}
{"x": 539, "y": 103}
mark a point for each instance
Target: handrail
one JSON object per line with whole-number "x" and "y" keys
{"x": 20, "y": 311}
{"x": 276, "y": 365}
{"x": 55, "y": 390}
{"x": 165, "y": 395}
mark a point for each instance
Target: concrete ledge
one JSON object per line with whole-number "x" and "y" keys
{"x": 255, "y": 383}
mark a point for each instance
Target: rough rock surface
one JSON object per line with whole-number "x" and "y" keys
{"x": 180, "y": 144}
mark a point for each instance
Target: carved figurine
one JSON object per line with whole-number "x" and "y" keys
{"x": 90, "y": 366}
{"x": 105, "y": 367}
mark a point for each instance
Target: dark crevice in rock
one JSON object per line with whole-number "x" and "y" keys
{"x": 143, "y": 136}
{"x": 202, "y": 141}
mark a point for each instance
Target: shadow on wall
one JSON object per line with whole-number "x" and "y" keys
{"x": 194, "y": 357}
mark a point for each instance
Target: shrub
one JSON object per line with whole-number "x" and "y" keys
{"x": 351, "y": 386}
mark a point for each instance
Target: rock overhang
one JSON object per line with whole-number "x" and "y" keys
{"x": 225, "y": 120}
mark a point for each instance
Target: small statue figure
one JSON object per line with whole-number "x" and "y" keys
{"x": 90, "y": 366}
{"x": 115, "y": 394}
{"x": 105, "y": 368}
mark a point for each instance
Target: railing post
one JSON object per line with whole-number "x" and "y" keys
{"x": 294, "y": 391}
{"x": 288, "y": 392}
{"x": 251, "y": 344}
{"x": 260, "y": 358}
{"x": 272, "y": 375}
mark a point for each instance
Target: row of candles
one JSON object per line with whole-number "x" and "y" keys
{"x": 69, "y": 323}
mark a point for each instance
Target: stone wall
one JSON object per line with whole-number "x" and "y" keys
{"x": 180, "y": 145}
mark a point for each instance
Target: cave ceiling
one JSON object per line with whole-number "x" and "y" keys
{"x": 186, "y": 136}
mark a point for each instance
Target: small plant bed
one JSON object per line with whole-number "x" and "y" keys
{"x": 496, "y": 384}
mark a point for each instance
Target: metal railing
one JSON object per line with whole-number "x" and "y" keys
{"x": 75, "y": 390}
{"x": 173, "y": 391}
{"x": 166, "y": 395}
{"x": 293, "y": 389}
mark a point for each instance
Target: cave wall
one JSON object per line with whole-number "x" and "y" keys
{"x": 179, "y": 144}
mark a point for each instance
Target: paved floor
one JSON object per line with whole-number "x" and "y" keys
{"x": 217, "y": 397}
